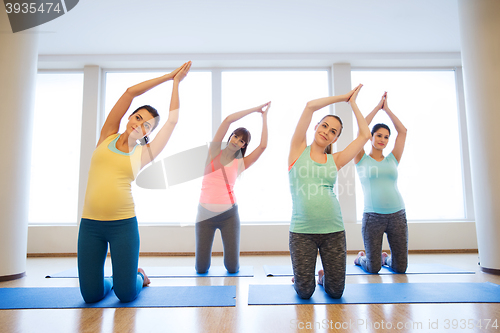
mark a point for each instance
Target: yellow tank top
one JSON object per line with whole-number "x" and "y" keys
{"x": 109, "y": 192}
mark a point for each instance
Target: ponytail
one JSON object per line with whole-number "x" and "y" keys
{"x": 144, "y": 141}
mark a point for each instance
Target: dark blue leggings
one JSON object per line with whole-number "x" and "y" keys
{"x": 123, "y": 239}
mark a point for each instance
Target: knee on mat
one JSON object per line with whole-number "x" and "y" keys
{"x": 90, "y": 300}
{"x": 201, "y": 269}
{"x": 92, "y": 297}
{"x": 335, "y": 293}
{"x": 399, "y": 270}
{"x": 233, "y": 269}
{"x": 373, "y": 269}
{"x": 125, "y": 297}
{"x": 305, "y": 293}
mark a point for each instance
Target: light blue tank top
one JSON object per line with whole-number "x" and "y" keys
{"x": 379, "y": 181}
{"x": 316, "y": 209}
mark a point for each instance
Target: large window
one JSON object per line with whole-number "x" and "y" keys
{"x": 263, "y": 191}
{"x": 55, "y": 157}
{"x": 430, "y": 172}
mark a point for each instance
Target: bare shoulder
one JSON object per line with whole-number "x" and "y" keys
{"x": 103, "y": 138}
{"x": 295, "y": 152}
{"x": 335, "y": 155}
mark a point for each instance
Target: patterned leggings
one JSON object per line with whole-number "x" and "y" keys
{"x": 304, "y": 251}
{"x": 373, "y": 229}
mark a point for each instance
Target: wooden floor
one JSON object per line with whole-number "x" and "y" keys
{"x": 245, "y": 318}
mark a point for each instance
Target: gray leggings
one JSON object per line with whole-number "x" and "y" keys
{"x": 304, "y": 252}
{"x": 228, "y": 223}
{"x": 373, "y": 229}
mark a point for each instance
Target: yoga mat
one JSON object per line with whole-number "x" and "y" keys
{"x": 168, "y": 272}
{"x": 150, "y": 297}
{"x": 357, "y": 270}
{"x": 380, "y": 293}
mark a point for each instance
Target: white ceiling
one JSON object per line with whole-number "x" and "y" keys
{"x": 111, "y": 27}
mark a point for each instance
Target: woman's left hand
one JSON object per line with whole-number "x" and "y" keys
{"x": 385, "y": 106}
{"x": 380, "y": 104}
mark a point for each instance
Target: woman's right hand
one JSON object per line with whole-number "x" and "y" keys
{"x": 181, "y": 72}
{"x": 262, "y": 108}
{"x": 353, "y": 94}
{"x": 172, "y": 74}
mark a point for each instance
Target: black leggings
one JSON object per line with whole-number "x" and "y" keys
{"x": 304, "y": 251}
{"x": 229, "y": 224}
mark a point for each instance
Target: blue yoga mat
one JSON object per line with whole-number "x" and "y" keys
{"x": 380, "y": 293}
{"x": 150, "y": 297}
{"x": 168, "y": 272}
{"x": 357, "y": 270}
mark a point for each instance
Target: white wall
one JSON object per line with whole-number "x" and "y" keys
{"x": 256, "y": 238}
{"x": 479, "y": 27}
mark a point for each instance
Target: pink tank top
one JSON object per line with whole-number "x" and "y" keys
{"x": 215, "y": 189}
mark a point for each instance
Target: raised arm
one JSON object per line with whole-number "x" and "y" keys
{"x": 112, "y": 123}
{"x": 369, "y": 119}
{"x": 215, "y": 145}
{"x": 156, "y": 146}
{"x": 343, "y": 157}
{"x": 254, "y": 156}
{"x": 399, "y": 145}
{"x": 299, "y": 143}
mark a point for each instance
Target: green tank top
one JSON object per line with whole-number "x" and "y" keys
{"x": 316, "y": 209}
{"x": 380, "y": 184}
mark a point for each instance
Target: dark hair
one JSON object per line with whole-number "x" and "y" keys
{"x": 376, "y": 127}
{"x": 245, "y": 136}
{"x": 145, "y": 140}
{"x": 328, "y": 149}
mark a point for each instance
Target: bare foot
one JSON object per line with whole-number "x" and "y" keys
{"x": 320, "y": 276}
{"x": 360, "y": 254}
{"x": 384, "y": 258}
{"x": 147, "y": 281}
